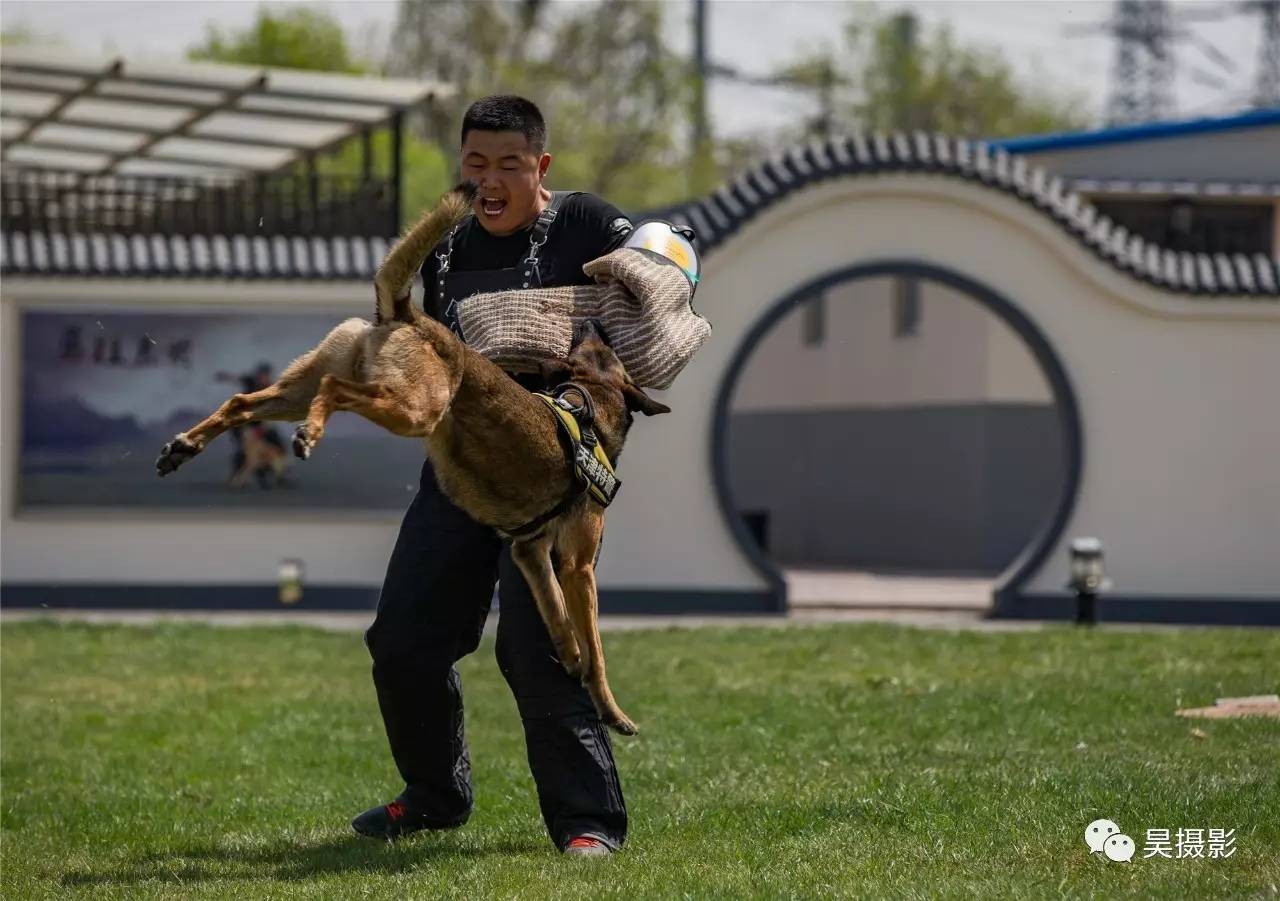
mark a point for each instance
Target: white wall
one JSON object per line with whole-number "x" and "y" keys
{"x": 1180, "y": 477}
{"x": 1177, "y": 395}
{"x": 171, "y": 546}
{"x": 961, "y": 353}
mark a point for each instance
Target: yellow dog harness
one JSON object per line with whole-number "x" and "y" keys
{"x": 593, "y": 473}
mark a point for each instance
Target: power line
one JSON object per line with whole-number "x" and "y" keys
{"x": 1146, "y": 35}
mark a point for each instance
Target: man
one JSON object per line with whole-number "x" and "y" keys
{"x": 272, "y": 461}
{"x": 440, "y": 580}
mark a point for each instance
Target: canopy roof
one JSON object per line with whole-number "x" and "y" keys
{"x": 102, "y": 114}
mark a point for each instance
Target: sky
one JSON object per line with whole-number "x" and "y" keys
{"x": 750, "y": 35}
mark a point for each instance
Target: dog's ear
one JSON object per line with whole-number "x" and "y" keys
{"x": 640, "y": 402}
{"x": 554, "y": 372}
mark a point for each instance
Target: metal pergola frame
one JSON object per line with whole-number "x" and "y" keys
{"x": 197, "y": 115}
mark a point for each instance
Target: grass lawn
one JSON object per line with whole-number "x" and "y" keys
{"x": 862, "y": 761}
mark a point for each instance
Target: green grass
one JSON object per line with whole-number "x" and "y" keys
{"x": 861, "y": 761}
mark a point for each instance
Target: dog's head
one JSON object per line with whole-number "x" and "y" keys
{"x": 593, "y": 364}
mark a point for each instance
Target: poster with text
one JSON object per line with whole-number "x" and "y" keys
{"x": 103, "y": 391}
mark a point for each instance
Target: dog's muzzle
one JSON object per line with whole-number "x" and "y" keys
{"x": 597, "y": 327}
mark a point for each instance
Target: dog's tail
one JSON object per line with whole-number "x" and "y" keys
{"x": 395, "y": 275}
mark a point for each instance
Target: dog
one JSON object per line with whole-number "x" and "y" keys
{"x": 260, "y": 456}
{"x": 494, "y": 446}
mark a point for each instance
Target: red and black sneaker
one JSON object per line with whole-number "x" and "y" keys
{"x": 586, "y": 846}
{"x": 392, "y": 821}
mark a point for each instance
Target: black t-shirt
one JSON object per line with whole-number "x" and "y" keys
{"x": 586, "y": 227}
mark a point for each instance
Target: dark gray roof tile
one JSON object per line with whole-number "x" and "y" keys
{"x": 942, "y": 152}
{"x": 1001, "y": 167}
{"x": 1170, "y": 272}
{"x": 714, "y": 219}
{"x": 732, "y": 208}
{"x": 742, "y": 190}
{"x": 1187, "y": 271}
{"x": 719, "y": 221}
{"x": 1135, "y": 251}
{"x": 1019, "y": 178}
{"x": 840, "y": 156}
{"x": 964, "y": 157}
{"x": 782, "y": 174}
{"x": 701, "y": 225}
{"x": 984, "y": 163}
{"x": 862, "y": 151}
{"x": 1204, "y": 273}
{"x": 1268, "y": 276}
{"x": 817, "y": 156}
{"x": 1226, "y": 273}
{"x": 1099, "y": 232}
{"x": 903, "y": 151}
{"x": 1244, "y": 273}
{"x": 763, "y": 184}
{"x": 882, "y": 152}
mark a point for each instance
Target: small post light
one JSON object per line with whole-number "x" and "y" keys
{"x": 1088, "y": 579}
{"x": 290, "y": 581}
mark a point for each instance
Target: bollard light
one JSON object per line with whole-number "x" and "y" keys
{"x": 1088, "y": 578}
{"x": 290, "y": 581}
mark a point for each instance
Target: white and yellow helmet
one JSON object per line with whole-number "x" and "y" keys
{"x": 672, "y": 242}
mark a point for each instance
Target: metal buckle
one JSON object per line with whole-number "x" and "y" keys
{"x": 442, "y": 257}
{"x": 533, "y": 250}
{"x": 565, "y": 404}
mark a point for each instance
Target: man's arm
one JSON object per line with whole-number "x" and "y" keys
{"x": 605, "y": 223}
{"x": 619, "y": 227}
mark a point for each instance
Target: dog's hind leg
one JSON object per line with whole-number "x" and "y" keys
{"x": 533, "y": 557}
{"x": 404, "y": 386}
{"x": 287, "y": 400}
{"x": 411, "y": 412}
{"x": 577, "y": 540}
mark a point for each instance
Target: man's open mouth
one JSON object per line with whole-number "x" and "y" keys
{"x": 492, "y": 206}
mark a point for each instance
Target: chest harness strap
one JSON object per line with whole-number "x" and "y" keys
{"x": 528, "y": 265}
{"x": 592, "y": 472}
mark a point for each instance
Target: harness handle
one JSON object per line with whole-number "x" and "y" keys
{"x": 584, "y": 412}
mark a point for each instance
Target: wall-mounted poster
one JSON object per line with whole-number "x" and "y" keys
{"x": 103, "y": 391}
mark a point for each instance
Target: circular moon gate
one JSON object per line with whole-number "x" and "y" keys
{"x": 1065, "y": 403}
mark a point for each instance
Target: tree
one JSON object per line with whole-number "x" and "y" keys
{"x": 19, "y": 35}
{"x": 614, "y": 95}
{"x": 890, "y": 76}
{"x": 301, "y": 38}
{"x": 298, "y": 38}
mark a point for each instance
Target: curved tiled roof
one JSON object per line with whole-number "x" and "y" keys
{"x": 719, "y": 216}
{"x": 98, "y": 255}
{"x": 714, "y": 219}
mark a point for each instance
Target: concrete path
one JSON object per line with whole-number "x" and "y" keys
{"x": 816, "y": 596}
{"x": 357, "y": 621}
{"x": 816, "y": 589}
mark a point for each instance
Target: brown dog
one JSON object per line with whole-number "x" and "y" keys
{"x": 259, "y": 454}
{"x": 494, "y": 446}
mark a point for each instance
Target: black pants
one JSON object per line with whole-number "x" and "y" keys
{"x": 431, "y": 613}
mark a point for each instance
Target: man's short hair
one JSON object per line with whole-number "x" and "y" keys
{"x": 507, "y": 112}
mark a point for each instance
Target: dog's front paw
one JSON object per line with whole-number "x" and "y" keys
{"x": 622, "y": 725}
{"x": 571, "y": 659}
{"x": 174, "y": 454}
{"x": 304, "y": 441}
{"x": 573, "y": 666}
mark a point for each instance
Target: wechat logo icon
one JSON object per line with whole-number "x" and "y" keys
{"x": 1104, "y": 837}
